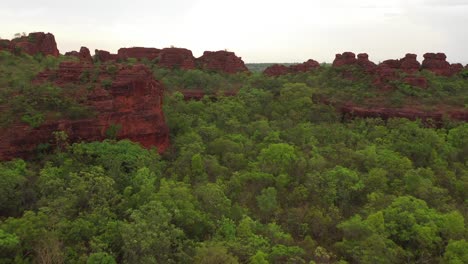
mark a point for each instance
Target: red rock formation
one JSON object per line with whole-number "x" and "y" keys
{"x": 416, "y": 81}
{"x": 177, "y": 58}
{"x": 276, "y": 70}
{"x": 409, "y": 113}
{"x": 347, "y": 58}
{"x": 437, "y": 64}
{"x": 138, "y": 53}
{"x": 133, "y": 101}
{"x": 104, "y": 56}
{"x": 456, "y": 68}
{"x": 305, "y": 66}
{"x": 364, "y": 62}
{"x": 409, "y": 63}
{"x": 34, "y": 43}
{"x": 84, "y": 55}
{"x": 392, "y": 64}
{"x": 222, "y": 61}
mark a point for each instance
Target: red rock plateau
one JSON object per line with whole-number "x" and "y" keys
{"x": 138, "y": 53}
{"x": 133, "y": 102}
{"x": 179, "y": 58}
{"x": 222, "y": 61}
{"x": 34, "y": 43}
{"x": 278, "y": 69}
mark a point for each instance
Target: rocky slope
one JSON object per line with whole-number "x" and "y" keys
{"x": 130, "y": 106}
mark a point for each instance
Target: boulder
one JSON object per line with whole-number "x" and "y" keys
{"x": 221, "y": 61}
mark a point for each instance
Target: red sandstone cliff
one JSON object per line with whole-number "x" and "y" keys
{"x": 177, "y": 58}
{"x": 133, "y": 101}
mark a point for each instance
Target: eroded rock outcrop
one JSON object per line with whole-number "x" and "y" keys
{"x": 139, "y": 53}
{"x": 364, "y": 62}
{"x": 84, "y": 55}
{"x": 347, "y": 58}
{"x": 305, "y": 66}
{"x": 105, "y": 56}
{"x": 351, "y": 111}
{"x": 222, "y": 61}
{"x": 177, "y": 58}
{"x": 132, "y": 102}
{"x": 35, "y": 43}
{"x": 436, "y": 63}
{"x": 278, "y": 69}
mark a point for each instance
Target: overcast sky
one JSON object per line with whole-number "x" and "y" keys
{"x": 257, "y": 30}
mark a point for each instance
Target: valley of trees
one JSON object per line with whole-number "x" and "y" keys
{"x": 267, "y": 176}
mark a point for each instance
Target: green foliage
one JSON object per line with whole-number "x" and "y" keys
{"x": 113, "y": 131}
{"x": 270, "y": 175}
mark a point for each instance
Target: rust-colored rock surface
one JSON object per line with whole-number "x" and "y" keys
{"x": 416, "y": 81}
{"x": 84, "y": 55}
{"x": 133, "y": 102}
{"x": 409, "y": 63}
{"x": 37, "y": 42}
{"x": 139, "y": 53}
{"x": 177, "y": 58}
{"x": 104, "y": 56}
{"x": 278, "y": 69}
{"x": 347, "y": 58}
{"x": 456, "y": 68}
{"x": 222, "y": 61}
{"x": 436, "y": 63}
{"x": 364, "y": 62}
{"x": 305, "y": 66}
{"x": 350, "y": 111}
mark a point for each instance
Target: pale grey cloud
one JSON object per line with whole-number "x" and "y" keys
{"x": 258, "y": 30}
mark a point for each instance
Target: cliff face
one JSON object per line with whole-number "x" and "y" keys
{"x": 34, "y": 43}
{"x": 132, "y": 103}
{"x": 222, "y": 61}
{"x": 177, "y": 58}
